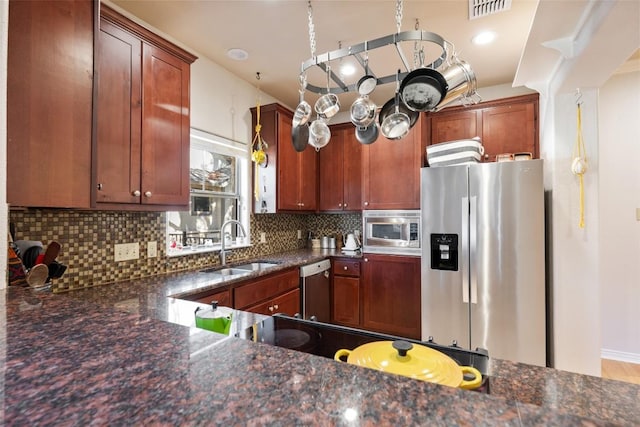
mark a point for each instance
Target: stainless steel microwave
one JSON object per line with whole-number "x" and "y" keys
{"x": 391, "y": 232}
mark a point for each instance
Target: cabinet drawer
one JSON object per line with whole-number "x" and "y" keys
{"x": 344, "y": 267}
{"x": 265, "y": 288}
{"x": 288, "y": 303}
{"x": 223, "y": 298}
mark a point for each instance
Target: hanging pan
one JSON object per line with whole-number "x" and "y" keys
{"x": 300, "y": 137}
{"x": 303, "y": 112}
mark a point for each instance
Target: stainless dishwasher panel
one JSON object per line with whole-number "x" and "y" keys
{"x": 315, "y": 291}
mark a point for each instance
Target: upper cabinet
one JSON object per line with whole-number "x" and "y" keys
{"x": 287, "y": 181}
{"x": 49, "y": 98}
{"x": 391, "y": 171}
{"x": 141, "y": 118}
{"x": 340, "y": 171}
{"x": 507, "y": 125}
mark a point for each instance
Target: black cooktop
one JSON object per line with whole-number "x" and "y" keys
{"x": 324, "y": 339}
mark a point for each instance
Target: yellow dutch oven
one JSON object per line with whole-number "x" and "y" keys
{"x": 419, "y": 362}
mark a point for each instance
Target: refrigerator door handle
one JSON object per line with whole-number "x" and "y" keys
{"x": 465, "y": 249}
{"x": 473, "y": 248}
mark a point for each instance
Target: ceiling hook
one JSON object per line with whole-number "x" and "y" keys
{"x": 417, "y": 27}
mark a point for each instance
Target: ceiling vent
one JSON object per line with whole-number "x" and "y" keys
{"x": 480, "y": 8}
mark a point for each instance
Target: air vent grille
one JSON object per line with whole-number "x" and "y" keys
{"x": 480, "y": 8}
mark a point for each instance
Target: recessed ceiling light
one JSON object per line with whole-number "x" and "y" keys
{"x": 347, "y": 69}
{"x": 484, "y": 37}
{"x": 237, "y": 54}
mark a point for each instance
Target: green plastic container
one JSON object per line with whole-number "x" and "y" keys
{"x": 213, "y": 319}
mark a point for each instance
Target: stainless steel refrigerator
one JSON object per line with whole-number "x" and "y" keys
{"x": 483, "y": 262}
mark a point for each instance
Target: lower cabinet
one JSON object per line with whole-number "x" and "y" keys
{"x": 345, "y": 307}
{"x": 390, "y": 287}
{"x": 275, "y": 293}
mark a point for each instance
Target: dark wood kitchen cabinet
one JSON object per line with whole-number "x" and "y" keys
{"x": 391, "y": 294}
{"x": 508, "y": 125}
{"x": 391, "y": 171}
{"x": 49, "y": 98}
{"x": 345, "y": 282}
{"x": 292, "y": 173}
{"x": 142, "y": 118}
{"x": 276, "y": 293}
{"x": 340, "y": 171}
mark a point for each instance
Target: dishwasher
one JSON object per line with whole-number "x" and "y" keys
{"x": 315, "y": 291}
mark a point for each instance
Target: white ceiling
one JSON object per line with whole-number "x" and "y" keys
{"x": 275, "y": 34}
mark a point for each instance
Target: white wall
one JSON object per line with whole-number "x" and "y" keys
{"x": 619, "y": 189}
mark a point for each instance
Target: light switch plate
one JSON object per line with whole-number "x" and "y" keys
{"x": 126, "y": 251}
{"x": 637, "y": 214}
{"x": 152, "y": 249}
{"x": 263, "y": 237}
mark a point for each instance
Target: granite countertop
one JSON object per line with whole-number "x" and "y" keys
{"x": 128, "y": 354}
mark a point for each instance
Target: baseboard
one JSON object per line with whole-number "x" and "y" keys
{"x": 621, "y": 356}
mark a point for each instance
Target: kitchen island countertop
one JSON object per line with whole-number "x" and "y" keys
{"x": 128, "y": 354}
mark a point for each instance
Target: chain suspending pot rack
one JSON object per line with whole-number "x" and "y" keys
{"x": 421, "y": 88}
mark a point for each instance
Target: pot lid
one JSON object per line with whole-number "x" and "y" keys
{"x": 414, "y": 361}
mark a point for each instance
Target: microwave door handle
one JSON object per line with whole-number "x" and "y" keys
{"x": 465, "y": 249}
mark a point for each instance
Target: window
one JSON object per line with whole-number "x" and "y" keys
{"x": 219, "y": 182}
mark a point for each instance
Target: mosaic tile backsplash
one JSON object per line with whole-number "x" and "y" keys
{"x": 88, "y": 240}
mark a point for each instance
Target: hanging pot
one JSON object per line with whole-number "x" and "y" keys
{"x": 461, "y": 82}
{"x": 413, "y": 361}
{"x": 328, "y": 104}
{"x": 423, "y": 89}
{"x": 397, "y": 124}
{"x": 303, "y": 112}
{"x": 363, "y": 111}
{"x": 319, "y": 134}
{"x": 389, "y": 108}
{"x": 368, "y": 82}
{"x": 300, "y": 137}
{"x": 368, "y": 134}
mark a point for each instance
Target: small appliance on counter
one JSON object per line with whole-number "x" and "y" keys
{"x": 215, "y": 319}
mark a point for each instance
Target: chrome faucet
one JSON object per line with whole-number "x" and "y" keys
{"x": 223, "y": 259}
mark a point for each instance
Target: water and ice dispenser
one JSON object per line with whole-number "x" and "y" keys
{"x": 444, "y": 252}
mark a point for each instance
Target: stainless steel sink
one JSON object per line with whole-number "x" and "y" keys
{"x": 255, "y": 266}
{"x": 238, "y": 270}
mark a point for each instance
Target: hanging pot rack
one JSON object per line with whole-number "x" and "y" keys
{"x": 322, "y": 61}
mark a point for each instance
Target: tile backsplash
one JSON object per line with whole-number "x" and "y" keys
{"x": 88, "y": 240}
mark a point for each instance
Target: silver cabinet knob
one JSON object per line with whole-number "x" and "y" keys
{"x": 147, "y": 194}
{"x": 366, "y": 203}
{"x": 339, "y": 205}
{"x": 136, "y": 193}
{"x": 275, "y": 306}
{"x": 271, "y": 308}
{"x": 366, "y": 260}
{"x": 346, "y": 268}
{"x": 99, "y": 186}
{"x": 345, "y": 205}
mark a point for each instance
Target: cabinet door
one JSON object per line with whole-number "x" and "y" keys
{"x": 391, "y": 295}
{"x": 352, "y": 171}
{"x": 307, "y": 178}
{"x": 391, "y": 172}
{"x": 288, "y": 166}
{"x": 509, "y": 129}
{"x": 287, "y": 303}
{"x": 165, "y": 128}
{"x": 119, "y": 99}
{"x": 454, "y": 126}
{"x": 331, "y": 178}
{"x": 49, "y": 100}
{"x": 346, "y": 301}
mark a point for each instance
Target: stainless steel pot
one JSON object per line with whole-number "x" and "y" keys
{"x": 369, "y": 134}
{"x": 319, "y": 134}
{"x": 461, "y": 81}
{"x": 363, "y": 111}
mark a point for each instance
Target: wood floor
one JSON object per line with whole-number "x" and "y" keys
{"x": 622, "y": 371}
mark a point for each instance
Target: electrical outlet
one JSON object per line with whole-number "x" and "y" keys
{"x": 299, "y": 234}
{"x": 263, "y": 237}
{"x": 126, "y": 251}
{"x": 152, "y": 249}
